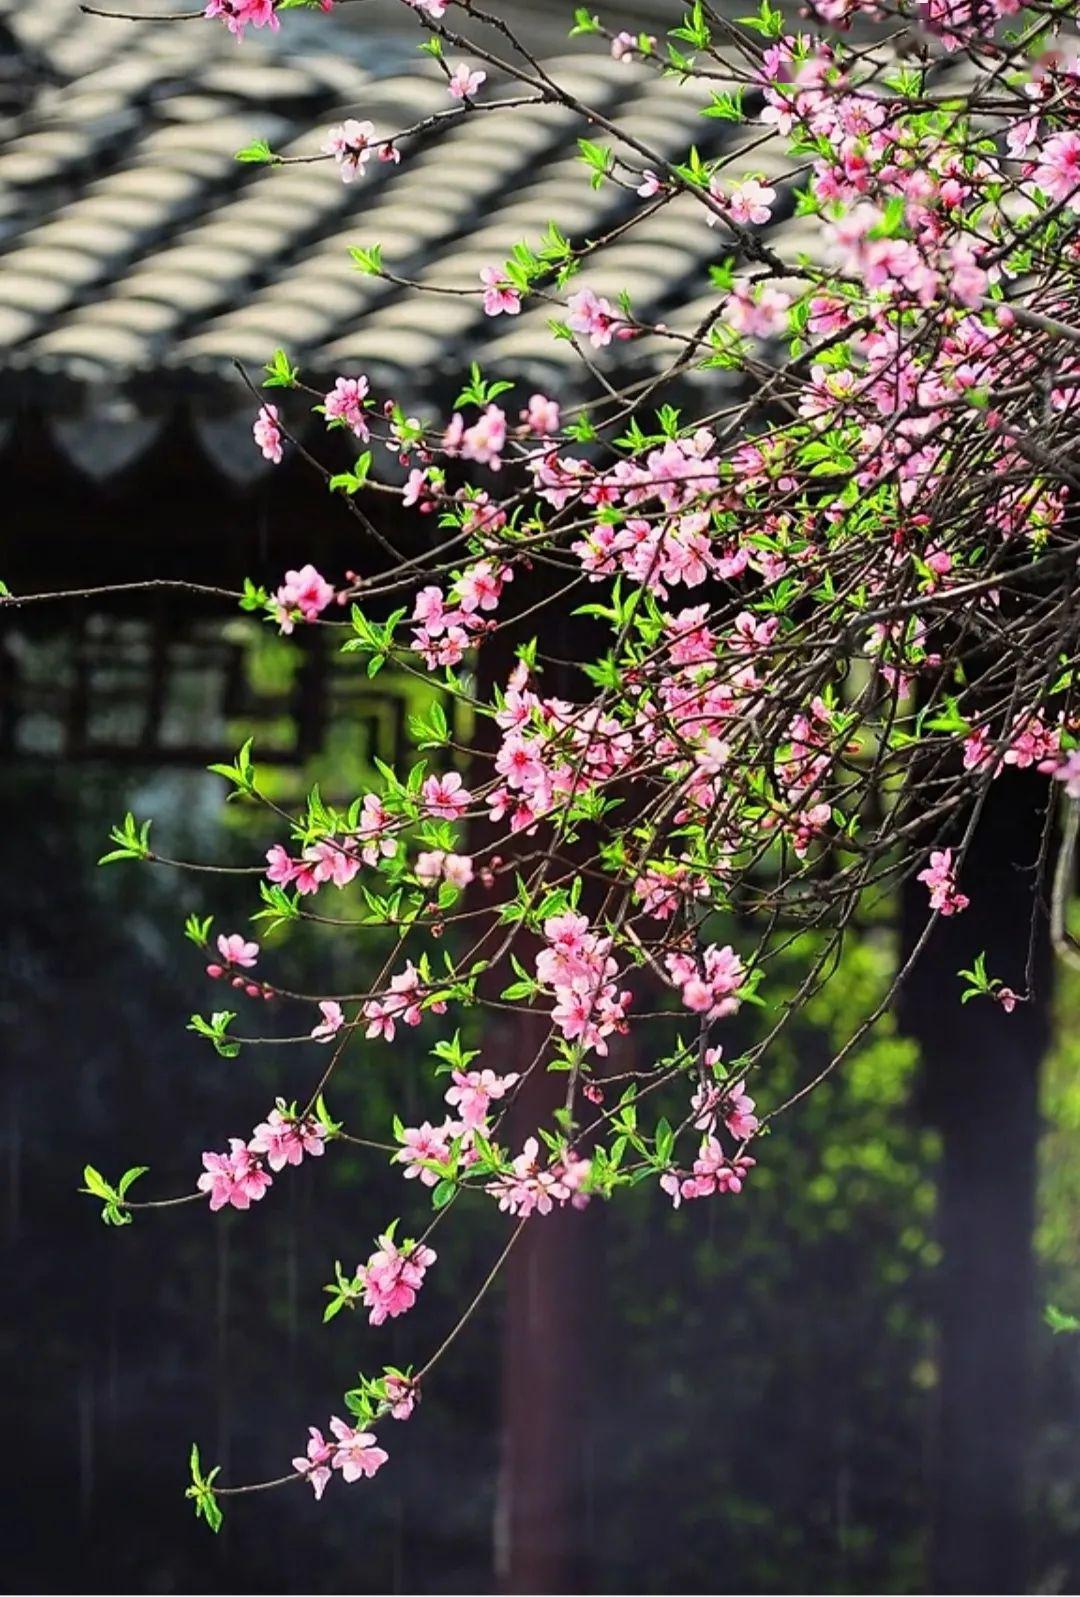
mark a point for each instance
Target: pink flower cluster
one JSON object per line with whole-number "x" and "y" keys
{"x": 240, "y": 1177}
{"x": 446, "y": 626}
{"x": 713, "y": 1172}
{"x": 596, "y": 318}
{"x": 940, "y": 879}
{"x": 578, "y": 966}
{"x": 354, "y": 1452}
{"x": 748, "y": 203}
{"x": 471, "y": 1093}
{"x": 733, "y": 1105}
{"x": 709, "y": 984}
{"x": 402, "y": 1002}
{"x": 303, "y": 596}
{"x": 392, "y": 1277}
{"x": 240, "y": 14}
{"x": 346, "y": 403}
{"x": 267, "y": 433}
{"x": 325, "y": 861}
{"x": 551, "y": 750}
{"x": 482, "y": 443}
{"x": 436, "y": 865}
{"x": 532, "y": 1188}
{"x": 238, "y": 954}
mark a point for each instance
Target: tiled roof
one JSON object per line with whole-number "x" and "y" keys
{"x": 139, "y": 259}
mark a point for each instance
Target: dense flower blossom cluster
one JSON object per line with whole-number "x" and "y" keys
{"x": 533, "y": 1187}
{"x": 392, "y": 1277}
{"x": 428, "y": 1152}
{"x": 578, "y": 968}
{"x": 241, "y": 1177}
{"x": 835, "y": 606}
{"x": 355, "y": 1453}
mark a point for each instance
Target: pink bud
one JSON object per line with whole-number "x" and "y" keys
{"x": 214, "y": 971}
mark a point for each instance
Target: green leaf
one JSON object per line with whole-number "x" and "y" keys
{"x": 1059, "y": 1321}
{"x": 599, "y": 158}
{"x": 96, "y": 1185}
{"x": 368, "y": 260}
{"x": 130, "y": 1176}
{"x": 132, "y": 841}
{"x": 769, "y": 23}
{"x": 728, "y": 107}
{"x": 584, "y": 22}
{"x": 201, "y": 1492}
{"x": 258, "y": 153}
{"x": 280, "y": 372}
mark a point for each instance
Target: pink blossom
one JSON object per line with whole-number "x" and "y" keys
{"x": 281, "y": 868}
{"x": 315, "y": 1467}
{"x": 594, "y": 316}
{"x": 437, "y": 865}
{"x": 940, "y": 880}
{"x": 345, "y": 403}
{"x": 715, "y": 1172}
{"x": 465, "y": 81}
{"x": 710, "y": 986}
{"x": 392, "y": 1277}
{"x": 349, "y": 143}
{"x": 499, "y": 296}
{"x": 446, "y": 797}
{"x": 474, "y": 1091}
{"x": 977, "y": 750}
{"x": 376, "y": 824}
{"x": 1031, "y": 742}
{"x": 484, "y": 441}
{"x": 1057, "y": 170}
{"x": 356, "y": 1454}
{"x": 424, "y": 1143}
{"x": 529, "y": 1189}
{"x": 304, "y": 593}
{"x": 739, "y": 1116}
{"x": 542, "y": 416}
{"x": 333, "y": 1019}
{"x": 240, "y": 14}
{"x": 400, "y": 1003}
{"x": 402, "y": 1396}
{"x": 285, "y": 1139}
{"x": 267, "y": 433}
{"x": 416, "y": 485}
{"x": 236, "y": 950}
{"x": 480, "y": 587}
{"x": 746, "y": 202}
{"x": 235, "y": 1178}
{"x": 1068, "y": 773}
{"x": 650, "y": 184}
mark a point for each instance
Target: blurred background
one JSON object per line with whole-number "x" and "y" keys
{"x": 839, "y": 1381}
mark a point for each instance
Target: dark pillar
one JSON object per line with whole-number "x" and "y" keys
{"x": 981, "y": 1080}
{"x": 541, "y": 1528}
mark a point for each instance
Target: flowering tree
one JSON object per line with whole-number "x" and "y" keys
{"x": 811, "y": 626}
